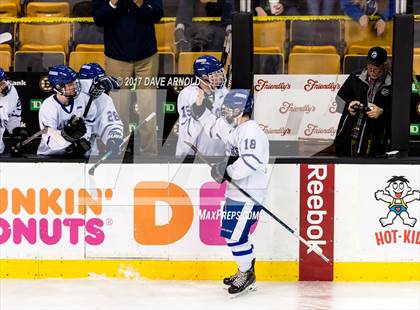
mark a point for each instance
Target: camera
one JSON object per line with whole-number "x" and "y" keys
{"x": 360, "y": 109}
{"x": 361, "y": 119}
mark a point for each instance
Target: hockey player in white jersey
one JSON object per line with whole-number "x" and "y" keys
{"x": 10, "y": 114}
{"x": 212, "y": 86}
{"x": 248, "y": 148}
{"x": 64, "y": 111}
{"x": 108, "y": 126}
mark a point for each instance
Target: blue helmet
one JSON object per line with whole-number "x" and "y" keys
{"x": 59, "y": 76}
{"x": 7, "y": 85}
{"x": 210, "y": 71}
{"x": 204, "y": 65}
{"x": 236, "y": 103}
{"x": 91, "y": 70}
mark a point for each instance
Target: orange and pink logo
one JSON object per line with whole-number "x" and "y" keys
{"x": 40, "y": 217}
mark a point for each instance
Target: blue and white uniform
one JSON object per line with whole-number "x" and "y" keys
{"x": 249, "y": 171}
{"x": 191, "y": 130}
{"x": 55, "y": 115}
{"x": 107, "y": 121}
{"x": 209, "y": 71}
{"x": 10, "y": 113}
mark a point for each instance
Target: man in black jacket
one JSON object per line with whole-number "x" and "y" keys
{"x": 365, "y": 99}
{"x": 131, "y": 52}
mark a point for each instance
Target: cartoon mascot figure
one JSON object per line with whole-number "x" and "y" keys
{"x": 397, "y": 194}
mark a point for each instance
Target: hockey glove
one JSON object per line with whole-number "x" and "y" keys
{"x": 19, "y": 134}
{"x": 101, "y": 84}
{"x": 219, "y": 172}
{"x": 208, "y": 101}
{"x": 113, "y": 145}
{"x": 78, "y": 148}
{"x": 74, "y": 129}
{"x": 197, "y": 111}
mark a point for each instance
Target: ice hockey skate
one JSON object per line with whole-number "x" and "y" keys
{"x": 229, "y": 280}
{"x": 244, "y": 282}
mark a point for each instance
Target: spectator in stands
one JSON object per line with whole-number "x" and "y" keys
{"x": 360, "y": 10}
{"x": 365, "y": 99}
{"x": 131, "y": 52}
{"x": 282, "y": 7}
{"x": 201, "y": 37}
{"x": 321, "y": 7}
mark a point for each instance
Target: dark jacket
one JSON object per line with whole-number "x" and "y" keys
{"x": 129, "y": 33}
{"x": 355, "y": 88}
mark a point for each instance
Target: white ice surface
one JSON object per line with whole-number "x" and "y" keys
{"x": 104, "y": 293}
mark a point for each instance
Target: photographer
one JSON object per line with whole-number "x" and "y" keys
{"x": 365, "y": 99}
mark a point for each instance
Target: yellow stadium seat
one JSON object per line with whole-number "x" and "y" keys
{"x": 16, "y": 2}
{"x": 268, "y": 62}
{"x": 37, "y": 61}
{"x": 186, "y": 60}
{"x": 364, "y": 49}
{"x": 48, "y": 9}
{"x": 301, "y": 63}
{"x": 8, "y": 10}
{"x": 316, "y": 36}
{"x": 6, "y": 47}
{"x": 166, "y": 62}
{"x": 417, "y": 51}
{"x": 320, "y": 49}
{"x": 270, "y": 34}
{"x": 357, "y": 62}
{"x": 165, "y": 37}
{"x": 266, "y": 50}
{"x": 359, "y": 39}
{"x": 78, "y": 59}
{"x": 11, "y": 28}
{"x": 87, "y": 37}
{"x": 90, "y": 48}
{"x": 44, "y": 37}
{"x": 416, "y": 64}
{"x": 5, "y": 60}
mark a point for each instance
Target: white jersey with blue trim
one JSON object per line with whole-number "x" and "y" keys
{"x": 191, "y": 130}
{"x": 250, "y": 143}
{"x": 10, "y": 114}
{"x": 54, "y": 114}
{"x": 108, "y": 122}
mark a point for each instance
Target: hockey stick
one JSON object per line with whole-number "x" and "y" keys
{"x": 226, "y": 48}
{"x": 125, "y": 140}
{"x": 5, "y": 37}
{"x": 292, "y": 231}
{"x": 85, "y": 113}
{"x": 54, "y": 134}
{"x": 227, "y": 57}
